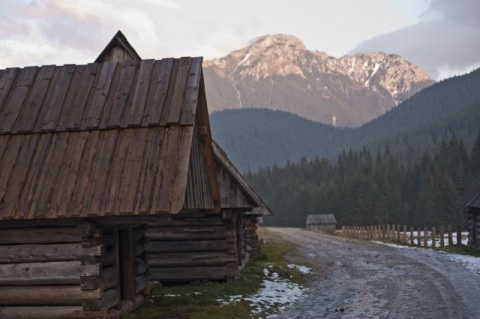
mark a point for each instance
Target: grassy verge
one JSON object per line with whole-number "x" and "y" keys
{"x": 202, "y": 300}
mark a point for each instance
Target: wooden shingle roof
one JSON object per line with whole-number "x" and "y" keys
{"x": 235, "y": 191}
{"x": 471, "y": 198}
{"x": 321, "y": 219}
{"x": 99, "y": 139}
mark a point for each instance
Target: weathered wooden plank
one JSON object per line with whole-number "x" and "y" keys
{"x": 162, "y": 74}
{"x": 186, "y": 246}
{"x": 54, "y": 104}
{"x": 82, "y": 180}
{"x": 8, "y": 163}
{"x": 18, "y": 174}
{"x": 148, "y": 172}
{"x": 121, "y": 97}
{"x": 181, "y": 233}
{"x": 191, "y": 259}
{"x": 49, "y": 312}
{"x": 41, "y": 200}
{"x": 175, "y": 107}
{"x": 44, "y": 252}
{"x": 46, "y": 295}
{"x": 133, "y": 166}
{"x": 31, "y": 180}
{"x": 167, "y": 174}
{"x": 15, "y": 103}
{"x": 48, "y": 273}
{"x": 188, "y": 273}
{"x": 65, "y": 184}
{"x": 135, "y": 112}
{"x": 73, "y": 113}
{"x": 43, "y": 235}
{"x": 6, "y": 81}
{"x": 72, "y": 91}
{"x": 28, "y": 115}
{"x": 177, "y": 196}
{"x": 93, "y": 113}
{"x": 99, "y": 175}
{"x": 191, "y": 92}
{"x": 113, "y": 184}
{"x": 111, "y": 297}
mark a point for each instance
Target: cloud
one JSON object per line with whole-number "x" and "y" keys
{"x": 444, "y": 43}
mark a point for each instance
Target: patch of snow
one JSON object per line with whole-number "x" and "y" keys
{"x": 350, "y": 71}
{"x": 242, "y": 62}
{"x": 275, "y": 295}
{"x": 375, "y": 69}
{"x": 302, "y": 269}
{"x": 470, "y": 262}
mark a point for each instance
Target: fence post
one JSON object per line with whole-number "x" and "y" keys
{"x": 412, "y": 240}
{"x": 442, "y": 236}
{"x": 425, "y": 237}
{"x": 459, "y": 236}
{"x": 393, "y": 232}
{"x": 450, "y": 240}
{"x": 419, "y": 238}
{"x": 433, "y": 237}
{"x": 398, "y": 233}
{"x": 404, "y": 237}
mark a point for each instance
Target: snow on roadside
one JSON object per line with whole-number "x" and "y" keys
{"x": 275, "y": 294}
{"x": 304, "y": 270}
{"x": 472, "y": 263}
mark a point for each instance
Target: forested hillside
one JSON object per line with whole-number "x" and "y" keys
{"x": 256, "y": 138}
{"x": 362, "y": 188}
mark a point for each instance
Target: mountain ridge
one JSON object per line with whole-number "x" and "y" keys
{"x": 278, "y": 72}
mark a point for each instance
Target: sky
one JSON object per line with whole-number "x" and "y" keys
{"x": 440, "y": 36}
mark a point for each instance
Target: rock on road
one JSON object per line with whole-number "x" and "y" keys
{"x": 361, "y": 279}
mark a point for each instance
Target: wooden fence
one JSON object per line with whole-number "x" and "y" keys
{"x": 422, "y": 237}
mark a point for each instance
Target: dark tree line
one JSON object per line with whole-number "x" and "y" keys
{"x": 365, "y": 189}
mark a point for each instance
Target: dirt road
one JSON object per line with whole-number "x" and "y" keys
{"x": 361, "y": 279}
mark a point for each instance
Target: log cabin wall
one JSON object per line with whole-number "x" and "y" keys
{"x": 123, "y": 275}
{"x": 192, "y": 247}
{"x": 474, "y": 227}
{"x": 58, "y": 271}
{"x": 41, "y": 269}
{"x": 251, "y": 236}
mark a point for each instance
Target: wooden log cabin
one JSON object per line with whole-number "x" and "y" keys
{"x": 471, "y": 200}
{"x": 90, "y": 156}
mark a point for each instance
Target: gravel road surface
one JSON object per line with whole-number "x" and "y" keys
{"x": 361, "y": 279}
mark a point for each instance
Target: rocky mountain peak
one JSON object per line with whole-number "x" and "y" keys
{"x": 279, "y": 72}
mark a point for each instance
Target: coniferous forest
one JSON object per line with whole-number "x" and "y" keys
{"x": 362, "y": 188}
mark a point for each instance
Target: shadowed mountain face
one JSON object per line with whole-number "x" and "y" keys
{"x": 278, "y": 73}
{"x": 256, "y": 138}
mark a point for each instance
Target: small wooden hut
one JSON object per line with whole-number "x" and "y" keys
{"x": 323, "y": 222}
{"x": 471, "y": 199}
{"x": 91, "y": 155}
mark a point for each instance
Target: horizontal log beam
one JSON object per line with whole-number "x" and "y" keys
{"x": 111, "y": 298}
{"x": 188, "y": 274}
{"x": 106, "y": 280}
{"x": 46, "y": 312}
{"x": 41, "y": 235}
{"x": 46, "y": 295}
{"x": 185, "y": 233}
{"x": 188, "y": 259}
{"x": 186, "y": 246}
{"x": 48, "y": 273}
{"x": 46, "y": 252}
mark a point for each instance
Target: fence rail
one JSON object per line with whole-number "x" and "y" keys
{"x": 421, "y": 237}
